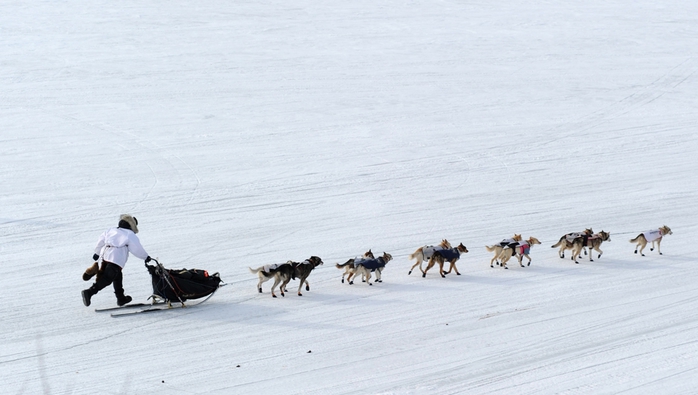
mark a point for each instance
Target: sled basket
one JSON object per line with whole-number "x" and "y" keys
{"x": 179, "y": 285}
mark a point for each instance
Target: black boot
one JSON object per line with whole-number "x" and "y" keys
{"x": 87, "y": 295}
{"x": 123, "y": 299}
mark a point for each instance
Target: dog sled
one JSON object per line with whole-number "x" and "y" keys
{"x": 171, "y": 285}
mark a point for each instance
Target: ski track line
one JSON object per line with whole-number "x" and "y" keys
{"x": 645, "y": 95}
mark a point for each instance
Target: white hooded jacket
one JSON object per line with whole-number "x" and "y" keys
{"x": 115, "y": 244}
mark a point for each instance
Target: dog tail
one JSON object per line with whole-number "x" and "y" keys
{"x": 417, "y": 254}
{"x": 559, "y": 243}
{"x": 635, "y": 240}
{"x": 491, "y": 248}
{"x": 255, "y": 271}
{"x": 342, "y": 265}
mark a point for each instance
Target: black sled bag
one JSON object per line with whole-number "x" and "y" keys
{"x": 180, "y": 285}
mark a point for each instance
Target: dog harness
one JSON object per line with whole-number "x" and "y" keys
{"x": 450, "y": 254}
{"x": 428, "y": 251}
{"x": 524, "y": 248}
{"x": 653, "y": 235}
{"x": 372, "y": 264}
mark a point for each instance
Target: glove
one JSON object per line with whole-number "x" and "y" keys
{"x": 147, "y": 259}
{"x": 95, "y": 257}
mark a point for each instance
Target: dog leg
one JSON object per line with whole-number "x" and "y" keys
{"x": 441, "y": 269}
{"x": 493, "y": 260}
{"x": 453, "y": 267}
{"x": 429, "y": 266}
{"x": 277, "y": 280}
{"x": 412, "y": 268}
{"x": 283, "y": 286}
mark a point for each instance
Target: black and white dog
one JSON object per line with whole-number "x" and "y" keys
{"x": 285, "y": 272}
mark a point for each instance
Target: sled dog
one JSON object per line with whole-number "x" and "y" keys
{"x": 450, "y": 255}
{"x": 653, "y": 236}
{"x": 301, "y": 270}
{"x": 520, "y": 251}
{"x": 349, "y": 266}
{"x": 593, "y": 242}
{"x": 565, "y": 242}
{"x": 366, "y": 266}
{"x": 285, "y": 272}
{"x": 267, "y": 272}
{"x": 497, "y": 248}
{"x": 423, "y": 254}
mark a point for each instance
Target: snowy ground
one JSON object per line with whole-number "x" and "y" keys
{"x": 247, "y": 133}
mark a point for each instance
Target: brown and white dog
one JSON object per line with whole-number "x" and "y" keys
{"x": 565, "y": 242}
{"x": 592, "y": 242}
{"x": 497, "y": 248}
{"x": 520, "y": 251}
{"x": 450, "y": 255}
{"x": 423, "y": 254}
{"x": 350, "y": 267}
{"x": 366, "y": 266}
{"x": 653, "y": 236}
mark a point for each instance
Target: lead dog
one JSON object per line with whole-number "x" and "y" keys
{"x": 497, "y": 248}
{"x": 350, "y": 265}
{"x": 565, "y": 242}
{"x": 653, "y": 236}
{"x": 423, "y": 254}
{"x": 519, "y": 251}
{"x": 450, "y": 255}
{"x": 367, "y": 266}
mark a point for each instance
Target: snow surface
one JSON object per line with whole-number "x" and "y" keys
{"x": 247, "y": 133}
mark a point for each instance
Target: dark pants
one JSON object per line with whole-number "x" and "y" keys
{"x": 111, "y": 274}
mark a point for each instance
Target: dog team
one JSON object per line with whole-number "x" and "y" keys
{"x": 367, "y": 264}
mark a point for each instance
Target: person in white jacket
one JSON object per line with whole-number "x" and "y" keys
{"x": 113, "y": 247}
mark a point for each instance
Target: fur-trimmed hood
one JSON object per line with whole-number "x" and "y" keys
{"x": 129, "y": 222}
